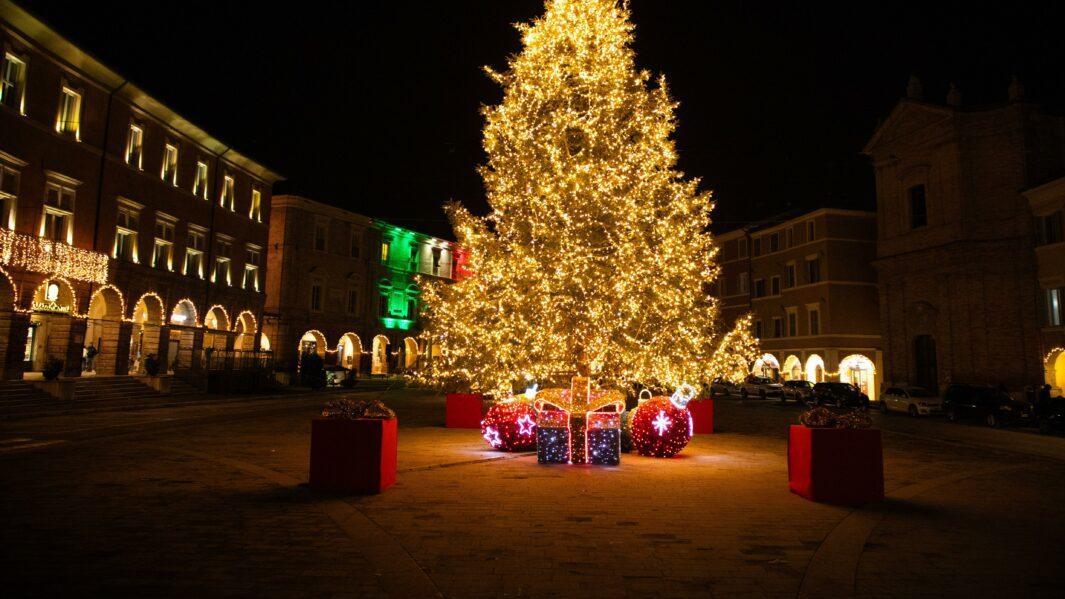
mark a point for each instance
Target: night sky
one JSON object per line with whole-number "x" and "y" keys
{"x": 375, "y": 109}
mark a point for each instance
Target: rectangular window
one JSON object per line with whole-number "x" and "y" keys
{"x": 194, "y": 254}
{"x": 13, "y": 83}
{"x": 353, "y": 301}
{"x": 316, "y": 296}
{"x": 789, "y": 237}
{"x": 918, "y": 207}
{"x": 251, "y": 269}
{"x": 228, "y": 200}
{"x": 414, "y": 262}
{"x": 758, "y": 329}
{"x": 382, "y": 306}
{"x": 757, "y": 246}
{"x": 813, "y": 270}
{"x": 741, "y": 251}
{"x": 69, "y": 120}
{"x": 385, "y": 248}
{"x": 199, "y": 185}
{"x": 412, "y": 309}
{"x": 774, "y": 286}
{"x": 793, "y": 322}
{"x": 759, "y": 288}
{"x": 815, "y": 320}
{"x": 222, "y": 263}
{"x": 810, "y": 228}
{"x": 320, "y": 232}
{"x": 1054, "y": 306}
{"x": 256, "y": 212}
{"x": 789, "y": 275}
{"x": 58, "y": 217}
{"x": 126, "y": 235}
{"x": 9, "y": 179}
{"x": 135, "y": 146}
{"x": 163, "y": 252}
{"x": 436, "y": 261}
{"x": 741, "y": 284}
{"x": 774, "y": 242}
{"x": 170, "y": 161}
{"x": 1048, "y": 228}
{"x": 778, "y": 327}
{"x": 355, "y": 249}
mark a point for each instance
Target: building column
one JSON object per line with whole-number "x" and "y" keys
{"x": 14, "y": 326}
{"x": 125, "y": 334}
{"x": 162, "y": 353}
{"x": 75, "y": 346}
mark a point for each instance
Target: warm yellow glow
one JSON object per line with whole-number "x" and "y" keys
{"x": 42, "y": 255}
{"x": 596, "y": 254}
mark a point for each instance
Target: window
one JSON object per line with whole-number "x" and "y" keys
{"x": 382, "y": 306}
{"x": 813, "y": 269}
{"x": 194, "y": 248}
{"x": 58, "y": 218}
{"x": 320, "y": 231}
{"x": 414, "y": 261}
{"x": 170, "y": 156}
{"x": 69, "y": 119}
{"x": 741, "y": 247}
{"x": 256, "y": 211}
{"x": 778, "y": 327}
{"x": 742, "y": 283}
{"x": 774, "y": 242}
{"x": 386, "y": 246}
{"x": 758, "y": 329}
{"x": 228, "y": 201}
{"x": 814, "y": 314}
{"x": 222, "y": 262}
{"x": 1054, "y": 306}
{"x": 163, "y": 252}
{"x": 126, "y": 234}
{"x": 810, "y": 229}
{"x": 918, "y": 207}
{"x": 1048, "y": 229}
{"x": 412, "y": 309}
{"x": 355, "y": 249}
{"x": 316, "y": 296}
{"x": 135, "y": 146}
{"x": 758, "y": 246}
{"x": 436, "y": 261}
{"x": 774, "y": 286}
{"x": 759, "y": 288}
{"x": 353, "y": 301}
{"x": 9, "y": 179}
{"x": 13, "y": 83}
{"x": 251, "y": 269}
{"x": 793, "y": 322}
{"x": 199, "y": 185}
{"x": 789, "y": 237}
{"x": 789, "y": 275}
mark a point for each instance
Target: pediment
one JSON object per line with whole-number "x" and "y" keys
{"x": 908, "y": 118}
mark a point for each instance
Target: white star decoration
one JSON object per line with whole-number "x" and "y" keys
{"x": 525, "y": 425}
{"x": 661, "y": 423}
{"x": 492, "y": 436}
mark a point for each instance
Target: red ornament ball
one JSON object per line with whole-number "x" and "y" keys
{"x": 660, "y": 429}
{"x": 510, "y": 426}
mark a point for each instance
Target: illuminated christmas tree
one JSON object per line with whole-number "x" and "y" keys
{"x": 596, "y": 257}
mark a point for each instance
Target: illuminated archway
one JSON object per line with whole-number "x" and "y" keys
{"x": 380, "y": 355}
{"x": 217, "y": 323}
{"x": 815, "y": 369}
{"x": 410, "y": 350}
{"x": 792, "y": 368}
{"x": 245, "y": 329}
{"x": 1054, "y": 369}
{"x": 103, "y": 333}
{"x": 184, "y": 314}
{"x": 313, "y": 341}
{"x": 264, "y": 343}
{"x": 766, "y": 366}
{"x": 8, "y": 292}
{"x": 144, "y": 339}
{"x": 349, "y": 351}
{"x": 859, "y": 371}
{"x": 53, "y": 303}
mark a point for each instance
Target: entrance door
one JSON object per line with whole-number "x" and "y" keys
{"x": 925, "y": 368}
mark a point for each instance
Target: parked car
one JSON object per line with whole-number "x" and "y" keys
{"x": 915, "y": 401}
{"x": 797, "y": 391}
{"x": 719, "y": 387}
{"x": 760, "y": 387}
{"x": 1050, "y": 416}
{"x": 841, "y": 395}
{"x": 992, "y": 406}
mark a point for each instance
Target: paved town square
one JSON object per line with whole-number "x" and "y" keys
{"x": 205, "y": 501}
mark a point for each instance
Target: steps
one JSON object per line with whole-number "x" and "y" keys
{"x": 20, "y": 396}
{"x": 113, "y": 389}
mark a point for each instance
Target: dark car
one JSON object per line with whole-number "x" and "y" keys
{"x": 841, "y": 395}
{"x": 994, "y": 407}
{"x": 1050, "y": 415}
{"x": 797, "y": 391}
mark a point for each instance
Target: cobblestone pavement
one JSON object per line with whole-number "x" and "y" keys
{"x": 207, "y": 501}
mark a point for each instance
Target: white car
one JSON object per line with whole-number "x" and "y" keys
{"x": 760, "y": 387}
{"x": 914, "y": 401}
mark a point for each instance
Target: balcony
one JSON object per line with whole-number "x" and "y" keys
{"x": 37, "y": 254}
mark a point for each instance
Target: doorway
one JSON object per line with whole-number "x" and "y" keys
{"x": 925, "y": 368}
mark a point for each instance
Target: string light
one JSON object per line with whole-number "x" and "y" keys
{"x": 660, "y": 428}
{"x": 38, "y": 254}
{"x": 510, "y": 426}
{"x": 579, "y": 425}
{"x": 596, "y": 256}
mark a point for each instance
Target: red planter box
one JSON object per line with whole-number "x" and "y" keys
{"x": 829, "y": 465}
{"x": 702, "y": 411}
{"x": 353, "y": 456}
{"x": 464, "y": 410}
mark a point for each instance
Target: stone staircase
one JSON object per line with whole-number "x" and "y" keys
{"x": 20, "y": 396}
{"x": 112, "y": 389}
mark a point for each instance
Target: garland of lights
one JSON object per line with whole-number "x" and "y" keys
{"x": 41, "y": 255}
{"x": 660, "y": 427}
{"x": 510, "y": 426}
{"x": 579, "y": 425}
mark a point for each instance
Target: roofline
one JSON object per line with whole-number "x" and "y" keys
{"x": 64, "y": 50}
{"x": 1045, "y": 189}
{"x": 788, "y": 218}
{"x": 296, "y": 201}
{"x": 899, "y": 106}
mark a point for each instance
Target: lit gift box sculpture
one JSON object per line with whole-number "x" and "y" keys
{"x": 579, "y": 425}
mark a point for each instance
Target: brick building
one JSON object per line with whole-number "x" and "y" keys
{"x": 808, "y": 281}
{"x": 960, "y": 287}
{"x": 346, "y": 286}
{"x": 123, "y": 225}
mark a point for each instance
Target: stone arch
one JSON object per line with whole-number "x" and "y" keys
{"x": 56, "y": 292}
{"x": 52, "y": 326}
{"x": 792, "y": 370}
{"x": 264, "y": 343}
{"x": 184, "y": 314}
{"x": 766, "y": 366}
{"x": 313, "y": 341}
{"x": 859, "y": 371}
{"x": 815, "y": 368}
{"x": 147, "y": 317}
{"x": 380, "y": 355}
{"x": 1054, "y": 369}
{"x": 245, "y": 327}
{"x": 410, "y": 353}
{"x": 105, "y": 333}
{"x": 349, "y": 351}
{"x": 216, "y": 321}
{"x": 8, "y": 292}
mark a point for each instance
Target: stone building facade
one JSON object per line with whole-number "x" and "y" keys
{"x": 348, "y": 287}
{"x": 122, "y": 226}
{"x": 807, "y": 279}
{"x": 1047, "y": 203}
{"x": 960, "y": 294}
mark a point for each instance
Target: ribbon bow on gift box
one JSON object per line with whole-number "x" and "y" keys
{"x": 579, "y": 425}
